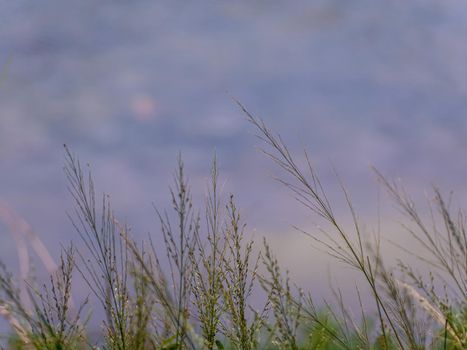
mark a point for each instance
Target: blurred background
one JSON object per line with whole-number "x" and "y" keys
{"x": 129, "y": 84}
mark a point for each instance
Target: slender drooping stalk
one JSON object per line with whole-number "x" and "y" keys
{"x": 309, "y": 191}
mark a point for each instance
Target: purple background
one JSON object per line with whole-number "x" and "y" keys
{"x": 129, "y": 84}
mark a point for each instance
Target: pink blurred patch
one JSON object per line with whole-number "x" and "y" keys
{"x": 143, "y": 108}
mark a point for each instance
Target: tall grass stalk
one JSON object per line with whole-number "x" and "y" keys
{"x": 393, "y": 305}
{"x": 242, "y": 323}
{"x": 180, "y": 246}
{"x": 207, "y": 258}
{"x": 286, "y": 308}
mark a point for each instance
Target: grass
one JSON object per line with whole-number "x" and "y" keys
{"x": 203, "y": 299}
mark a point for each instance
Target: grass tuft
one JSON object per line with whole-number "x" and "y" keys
{"x": 191, "y": 285}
